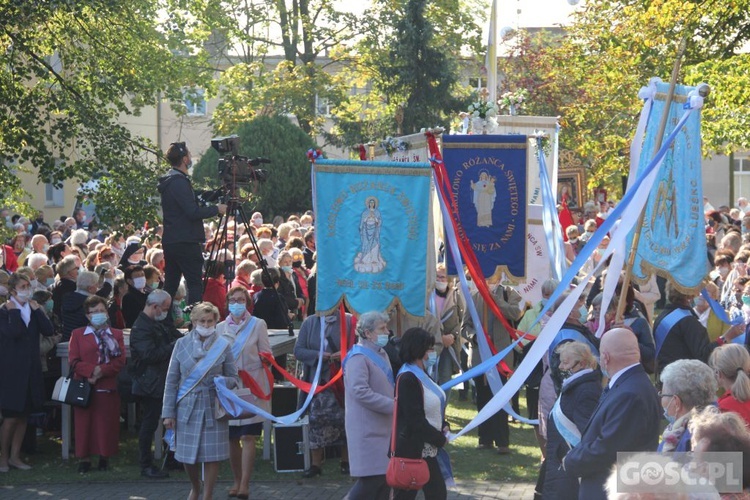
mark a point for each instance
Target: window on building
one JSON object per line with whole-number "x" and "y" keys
{"x": 195, "y": 102}
{"x": 53, "y": 196}
{"x": 322, "y": 106}
{"x": 476, "y": 83}
{"x": 741, "y": 169}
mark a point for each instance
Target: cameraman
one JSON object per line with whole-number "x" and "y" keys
{"x": 183, "y": 225}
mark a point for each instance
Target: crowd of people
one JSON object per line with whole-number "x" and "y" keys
{"x": 195, "y": 299}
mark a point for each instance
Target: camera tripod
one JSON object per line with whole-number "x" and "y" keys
{"x": 235, "y": 208}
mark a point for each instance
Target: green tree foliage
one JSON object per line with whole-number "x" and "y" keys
{"x": 288, "y": 186}
{"x": 308, "y": 30}
{"x": 615, "y": 46}
{"x": 72, "y": 71}
{"x": 410, "y": 55}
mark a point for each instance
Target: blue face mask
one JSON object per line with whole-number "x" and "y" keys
{"x": 237, "y": 310}
{"x": 746, "y": 300}
{"x": 670, "y": 418}
{"x": 584, "y": 314}
{"x": 431, "y": 360}
{"x": 99, "y": 318}
{"x": 286, "y": 269}
{"x": 382, "y": 339}
{"x": 49, "y": 282}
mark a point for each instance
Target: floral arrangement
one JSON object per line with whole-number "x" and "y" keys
{"x": 391, "y": 144}
{"x": 513, "y": 99}
{"x": 313, "y": 154}
{"x": 482, "y": 109}
{"x": 546, "y": 145}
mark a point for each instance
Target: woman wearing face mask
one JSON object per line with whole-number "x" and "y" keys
{"x": 134, "y": 300}
{"x": 445, "y": 304}
{"x": 249, "y": 338}
{"x": 22, "y": 321}
{"x": 686, "y": 384}
{"x": 368, "y": 381}
{"x": 97, "y": 353}
{"x": 421, "y": 428}
{"x": 579, "y": 396}
{"x": 731, "y": 364}
{"x": 287, "y": 289}
{"x": 190, "y": 399}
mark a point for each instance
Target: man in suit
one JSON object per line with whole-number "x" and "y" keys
{"x": 627, "y": 418}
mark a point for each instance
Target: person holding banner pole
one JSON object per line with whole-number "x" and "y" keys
{"x": 446, "y": 304}
{"x": 369, "y": 384}
{"x": 495, "y": 431}
{"x": 249, "y": 338}
{"x": 190, "y": 399}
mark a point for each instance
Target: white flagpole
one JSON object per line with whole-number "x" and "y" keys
{"x": 491, "y": 58}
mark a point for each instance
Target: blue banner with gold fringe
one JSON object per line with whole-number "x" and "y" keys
{"x": 488, "y": 189}
{"x": 673, "y": 241}
{"x": 372, "y": 228}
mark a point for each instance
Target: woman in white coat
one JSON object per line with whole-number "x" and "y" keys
{"x": 369, "y": 383}
{"x": 249, "y": 338}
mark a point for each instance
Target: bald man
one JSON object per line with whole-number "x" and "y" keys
{"x": 627, "y": 418}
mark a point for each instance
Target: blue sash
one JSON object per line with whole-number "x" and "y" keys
{"x": 202, "y": 367}
{"x": 426, "y": 381}
{"x": 740, "y": 339}
{"x": 670, "y": 320}
{"x": 433, "y": 309}
{"x": 566, "y": 427}
{"x": 570, "y": 334}
{"x": 243, "y": 337}
{"x": 372, "y": 356}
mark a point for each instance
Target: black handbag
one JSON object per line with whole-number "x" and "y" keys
{"x": 71, "y": 391}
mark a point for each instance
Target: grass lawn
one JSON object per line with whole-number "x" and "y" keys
{"x": 468, "y": 462}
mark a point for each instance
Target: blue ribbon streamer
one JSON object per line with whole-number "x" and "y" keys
{"x": 550, "y": 221}
{"x": 719, "y": 311}
{"x": 487, "y": 366}
{"x": 231, "y": 401}
{"x": 593, "y": 243}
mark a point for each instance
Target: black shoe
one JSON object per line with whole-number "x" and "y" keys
{"x": 103, "y": 465}
{"x": 484, "y": 446}
{"x": 154, "y": 473}
{"x": 344, "y": 467}
{"x": 84, "y": 467}
{"x": 313, "y": 471}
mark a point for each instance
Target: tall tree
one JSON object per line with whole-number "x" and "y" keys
{"x": 612, "y": 49}
{"x": 70, "y": 71}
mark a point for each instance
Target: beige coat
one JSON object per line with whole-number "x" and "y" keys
{"x": 509, "y": 301}
{"x": 249, "y": 360}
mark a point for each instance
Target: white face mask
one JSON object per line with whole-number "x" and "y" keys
{"x": 205, "y": 331}
{"x": 139, "y": 283}
{"x": 56, "y": 241}
{"x": 441, "y": 286}
{"x": 23, "y": 296}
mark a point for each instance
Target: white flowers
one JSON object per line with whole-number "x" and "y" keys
{"x": 481, "y": 109}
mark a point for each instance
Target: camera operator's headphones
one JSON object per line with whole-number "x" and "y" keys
{"x": 181, "y": 148}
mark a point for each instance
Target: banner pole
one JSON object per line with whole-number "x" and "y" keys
{"x": 657, "y": 145}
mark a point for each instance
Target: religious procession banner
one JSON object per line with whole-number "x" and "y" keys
{"x": 373, "y": 235}
{"x": 673, "y": 242}
{"x": 488, "y": 175}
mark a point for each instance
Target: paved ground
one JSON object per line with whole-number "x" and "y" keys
{"x": 292, "y": 489}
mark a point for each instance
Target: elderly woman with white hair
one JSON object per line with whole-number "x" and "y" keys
{"x": 369, "y": 383}
{"x": 687, "y": 384}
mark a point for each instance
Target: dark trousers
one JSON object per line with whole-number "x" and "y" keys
{"x": 433, "y": 490}
{"x": 370, "y": 488}
{"x": 184, "y": 259}
{"x": 495, "y": 430}
{"x": 151, "y": 411}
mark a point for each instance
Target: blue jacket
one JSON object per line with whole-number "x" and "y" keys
{"x": 183, "y": 217}
{"x": 627, "y": 418}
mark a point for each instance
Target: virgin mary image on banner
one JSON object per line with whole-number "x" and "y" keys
{"x": 368, "y": 259}
{"x": 484, "y": 198}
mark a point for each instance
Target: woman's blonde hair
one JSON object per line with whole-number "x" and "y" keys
{"x": 202, "y": 308}
{"x": 733, "y": 362}
{"x": 580, "y": 352}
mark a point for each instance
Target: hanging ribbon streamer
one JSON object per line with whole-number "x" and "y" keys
{"x": 550, "y": 221}
{"x": 632, "y": 202}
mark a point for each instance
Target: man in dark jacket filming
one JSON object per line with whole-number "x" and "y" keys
{"x": 151, "y": 344}
{"x": 183, "y": 225}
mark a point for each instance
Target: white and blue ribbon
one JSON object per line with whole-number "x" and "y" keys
{"x": 550, "y": 220}
{"x": 384, "y": 365}
{"x": 235, "y": 406}
{"x": 719, "y": 311}
{"x": 628, "y": 210}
